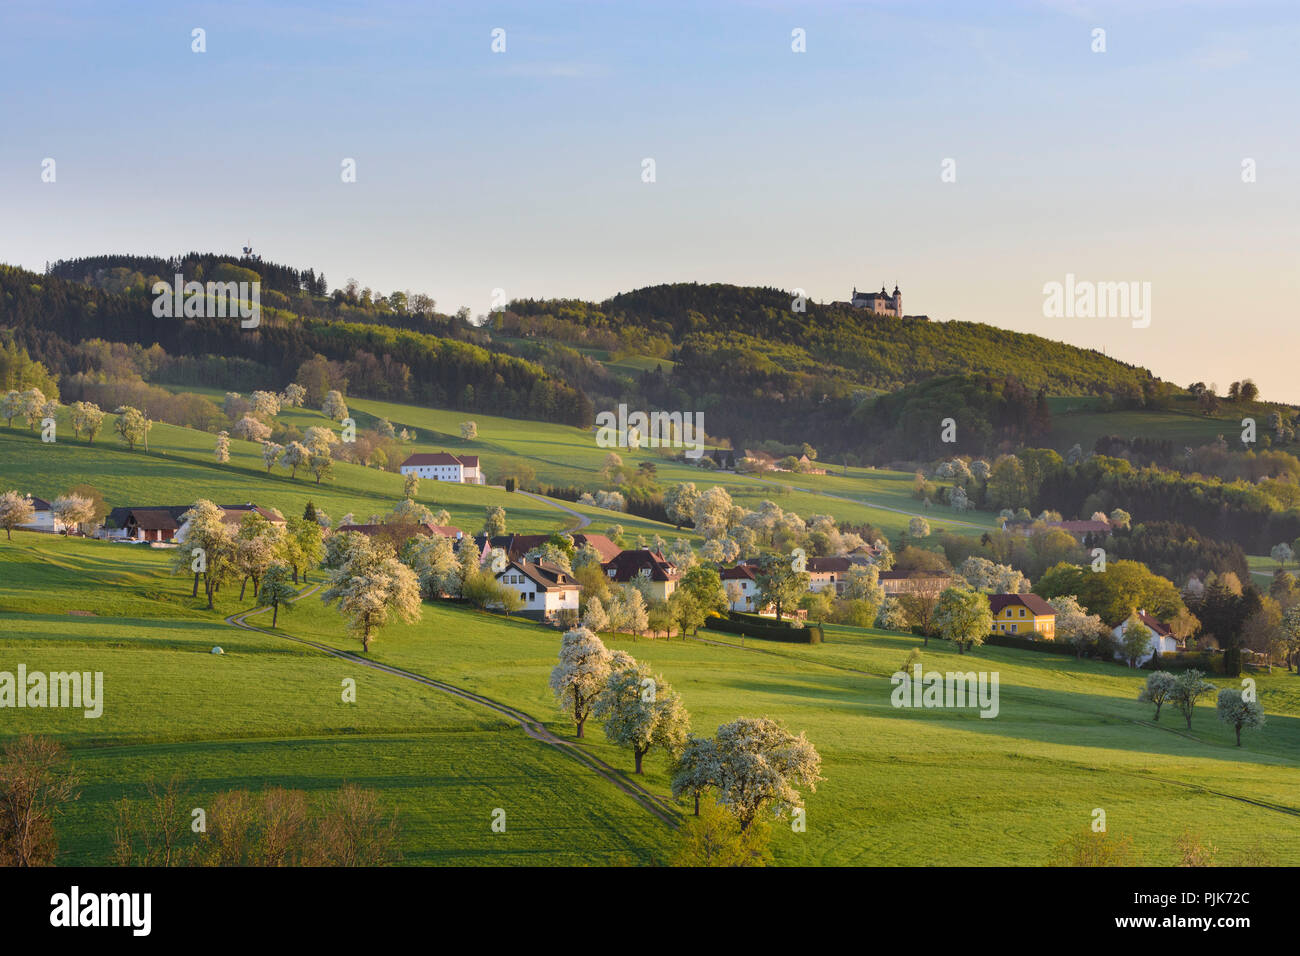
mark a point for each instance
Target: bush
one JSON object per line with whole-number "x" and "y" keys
{"x": 752, "y": 625}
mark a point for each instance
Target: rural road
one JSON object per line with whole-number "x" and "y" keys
{"x": 583, "y": 520}
{"x": 531, "y": 726}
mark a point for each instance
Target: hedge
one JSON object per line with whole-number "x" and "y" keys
{"x": 752, "y": 625}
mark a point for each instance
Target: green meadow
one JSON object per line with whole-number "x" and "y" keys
{"x": 903, "y": 786}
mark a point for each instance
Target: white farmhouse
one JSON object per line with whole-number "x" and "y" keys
{"x": 1162, "y": 641}
{"x": 546, "y": 591}
{"x": 742, "y": 575}
{"x": 42, "y": 517}
{"x": 462, "y": 469}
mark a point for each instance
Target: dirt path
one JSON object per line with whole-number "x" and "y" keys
{"x": 582, "y": 519}
{"x": 531, "y": 726}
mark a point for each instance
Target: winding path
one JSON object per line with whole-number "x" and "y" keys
{"x": 583, "y": 520}
{"x": 531, "y": 726}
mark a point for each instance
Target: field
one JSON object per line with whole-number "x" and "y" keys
{"x": 1080, "y": 420}
{"x": 903, "y": 786}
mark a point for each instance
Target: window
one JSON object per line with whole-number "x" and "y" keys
{"x": 1022, "y": 612}
{"x": 1013, "y": 628}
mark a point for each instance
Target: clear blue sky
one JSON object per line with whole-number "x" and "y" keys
{"x": 819, "y": 170}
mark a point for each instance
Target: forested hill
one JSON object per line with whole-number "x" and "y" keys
{"x": 750, "y": 325}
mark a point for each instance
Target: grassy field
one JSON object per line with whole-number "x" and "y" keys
{"x": 1082, "y": 421}
{"x": 270, "y": 712}
{"x": 903, "y": 787}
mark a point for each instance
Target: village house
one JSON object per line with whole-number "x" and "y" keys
{"x": 462, "y": 469}
{"x": 546, "y": 591}
{"x": 741, "y": 585}
{"x": 1162, "y": 640}
{"x": 163, "y": 523}
{"x": 42, "y": 517}
{"x": 832, "y": 573}
{"x": 646, "y": 565}
{"x": 1022, "y": 614}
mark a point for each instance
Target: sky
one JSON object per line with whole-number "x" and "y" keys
{"x": 970, "y": 152}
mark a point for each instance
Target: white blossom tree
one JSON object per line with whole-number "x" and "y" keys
{"x": 580, "y": 675}
{"x": 334, "y": 407}
{"x": 639, "y": 710}
{"x": 369, "y": 587}
{"x": 15, "y": 510}
{"x": 759, "y": 765}
{"x": 222, "y": 449}
{"x": 1238, "y": 712}
{"x": 73, "y": 511}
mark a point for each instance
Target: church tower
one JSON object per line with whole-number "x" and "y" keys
{"x": 898, "y": 301}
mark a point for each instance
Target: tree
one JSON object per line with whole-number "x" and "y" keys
{"x": 1119, "y": 518}
{"x": 1237, "y": 712}
{"x": 11, "y": 407}
{"x": 918, "y": 527}
{"x": 411, "y": 486}
{"x": 581, "y": 674}
{"x": 277, "y": 589}
{"x": 321, "y": 466}
{"x": 209, "y": 548}
{"x": 1189, "y": 687}
{"x": 704, "y": 584}
{"x": 369, "y": 586}
{"x": 919, "y": 607}
{"x": 271, "y": 453}
{"x": 15, "y": 510}
{"x": 1249, "y": 390}
{"x": 296, "y": 454}
{"x": 679, "y": 503}
{"x": 334, "y": 407}
{"x": 640, "y": 710}
{"x": 87, "y": 417}
{"x": 293, "y": 396}
{"x": 222, "y": 450}
{"x": 696, "y": 769}
{"x": 494, "y": 521}
{"x": 34, "y": 788}
{"x": 249, "y": 428}
{"x": 257, "y": 545}
{"x": 1136, "y": 639}
{"x": 264, "y": 404}
{"x": 632, "y": 614}
{"x": 1282, "y": 553}
{"x": 713, "y": 837}
{"x": 303, "y": 544}
{"x": 963, "y": 616}
{"x": 32, "y": 407}
{"x": 991, "y": 578}
{"x": 1074, "y": 624}
{"x": 779, "y": 584}
{"x": 131, "y": 426}
{"x": 1159, "y": 687}
{"x": 760, "y": 764}
{"x": 594, "y": 618}
{"x": 469, "y": 430}
{"x": 685, "y": 612}
{"x": 73, "y": 511}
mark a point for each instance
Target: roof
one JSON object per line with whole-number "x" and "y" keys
{"x": 629, "y": 564}
{"x": 38, "y": 504}
{"x": 838, "y": 565}
{"x": 441, "y": 458}
{"x": 547, "y": 576}
{"x": 740, "y": 571}
{"x": 1083, "y": 527}
{"x": 1149, "y": 621}
{"x": 447, "y": 531}
{"x": 518, "y": 545}
{"x": 1031, "y": 601}
{"x": 231, "y": 513}
{"x": 914, "y": 575}
{"x": 154, "y": 519}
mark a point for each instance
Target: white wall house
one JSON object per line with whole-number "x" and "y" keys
{"x": 742, "y": 576}
{"x": 1162, "y": 642}
{"x": 42, "y": 517}
{"x": 462, "y": 469}
{"x": 546, "y": 591}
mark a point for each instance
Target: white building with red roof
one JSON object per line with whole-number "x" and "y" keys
{"x": 441, "y": 466}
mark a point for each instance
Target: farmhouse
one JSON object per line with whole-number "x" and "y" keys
{"x": 745, "y": 590}
{"x": 647, "y": 565}
{"x": 546, "y": 591}
{"x": 1022, "y": 614}
{"x": 1162, "y": 639}
{"x": 463, "y": 469}
{"x": 164, "y": 522}
{"x": 43, "y": 516}
{"x": 832, "y": 573}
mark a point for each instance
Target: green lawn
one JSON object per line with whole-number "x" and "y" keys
{"x": 270, "y": 712}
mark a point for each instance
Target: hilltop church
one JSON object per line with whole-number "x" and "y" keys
{"x": 882, "y": 303}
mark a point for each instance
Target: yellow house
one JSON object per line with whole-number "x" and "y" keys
{"x": 1022, "y": 614}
